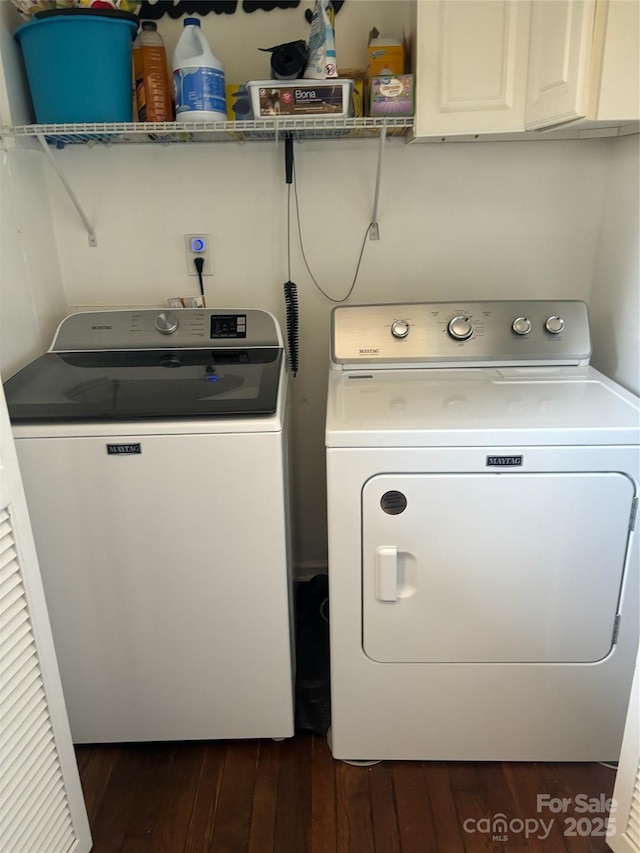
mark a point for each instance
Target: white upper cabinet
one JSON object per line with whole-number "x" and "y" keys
{"x": 509, "y": 66}
{"x": 584, "y": 62}
{"x": 615, "y": 87}
{"x": 471, "y": 66}
{"x": 560, "y": 58}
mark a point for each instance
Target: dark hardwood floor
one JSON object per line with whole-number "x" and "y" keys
{"x": 292, "y": 797}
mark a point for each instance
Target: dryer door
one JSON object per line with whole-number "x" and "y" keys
{"x": 493, "y": 567}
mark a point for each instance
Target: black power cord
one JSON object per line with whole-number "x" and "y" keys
{"x": 290, "y": 287}
{"x": 199, "y": 265}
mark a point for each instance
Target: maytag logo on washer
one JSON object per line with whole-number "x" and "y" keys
{"x": 504, "y": 461}
{"x": 124, "y": 449}
{"x": 369, "y": 351}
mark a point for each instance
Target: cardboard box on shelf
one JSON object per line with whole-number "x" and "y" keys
{"x": 392, "y": 95}
{"x": 386, "y": 55}
{"x": 357, "y": 95}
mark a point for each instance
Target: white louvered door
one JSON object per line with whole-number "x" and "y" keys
{"x": 625, "y": 821}
{"x": 41, "y": 805}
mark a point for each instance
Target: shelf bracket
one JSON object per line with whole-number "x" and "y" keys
{"x": 374, "y": 232}
{"x": 93, "y": 240}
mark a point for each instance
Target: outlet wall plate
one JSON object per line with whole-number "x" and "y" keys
{"x": 189, "y": 241}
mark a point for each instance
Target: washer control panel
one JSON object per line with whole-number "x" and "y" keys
{"x": 228, "y": 326}
{"x": 509, "y": 332}
{"x": 151, "y": 328}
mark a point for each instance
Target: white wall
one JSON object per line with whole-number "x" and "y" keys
{"x": 236, "y": 39}
{"x": 32, "y": 300}
{"x": 615, "y": 300}
{"x": 468, "y": 220}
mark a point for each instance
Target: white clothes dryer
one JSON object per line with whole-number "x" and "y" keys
{"x": 483, "y": 566}
{"x": 153, "y": 449}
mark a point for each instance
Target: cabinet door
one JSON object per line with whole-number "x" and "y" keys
{"x": 560, "y": 59}
{"x": 471, "y": 66}
{"x": 615, "y": 90}
{"x": 40, "y": 796}
{"x": 623, "y": 830}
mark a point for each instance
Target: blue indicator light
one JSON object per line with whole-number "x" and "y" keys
{"x": 197, "y": 244}
{"x": 211, "y": 378}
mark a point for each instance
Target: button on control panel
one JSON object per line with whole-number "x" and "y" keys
{"x": 228, "y": 325}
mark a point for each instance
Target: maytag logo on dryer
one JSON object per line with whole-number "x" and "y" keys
{"x": 504, "y": 461}
{"x": 103, "y": 328}
{"x": 369, "y": 351}
{"x": 124, "y": 449}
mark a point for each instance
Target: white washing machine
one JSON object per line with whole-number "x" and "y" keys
{"x": 153, "y": 448}
{"x": 483, "y": 566}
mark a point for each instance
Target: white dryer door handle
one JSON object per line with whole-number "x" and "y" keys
{"x": 387, "y": 573}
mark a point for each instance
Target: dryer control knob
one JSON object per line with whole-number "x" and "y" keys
{"x": 460, "y": 328}
{"x": 554, "y": 325}
{"x": 400, "y": 328}
{"x": 166, "y": 323}
{"x": 521, "y": 326}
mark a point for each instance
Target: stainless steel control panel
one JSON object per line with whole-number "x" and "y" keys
{"x": 187, "y": 328}
{"x": 509, "y": 332}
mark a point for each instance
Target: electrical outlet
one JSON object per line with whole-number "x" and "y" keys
{"x": 198, "y": 246}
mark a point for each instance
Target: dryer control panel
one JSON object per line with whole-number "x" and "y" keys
{"x": 473, "y": 334}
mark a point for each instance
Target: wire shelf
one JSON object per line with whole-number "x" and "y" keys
{"x": 207, "y": 131}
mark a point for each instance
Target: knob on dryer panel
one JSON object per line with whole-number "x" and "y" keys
{"x": 554, "y": 325}
{"x": 460, "y": 328}
{"x": 400, "y": 328}
{"x": 522, "y": 326}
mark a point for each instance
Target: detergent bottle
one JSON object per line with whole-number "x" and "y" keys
{"x": 153, "y": 92}
{"x": 198, "y": 77}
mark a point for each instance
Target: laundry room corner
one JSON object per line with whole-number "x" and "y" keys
{"x": 615, "y": 290}
{"x": 32, "y": 297}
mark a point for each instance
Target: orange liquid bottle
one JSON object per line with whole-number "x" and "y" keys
{"x": 153, "y": 92}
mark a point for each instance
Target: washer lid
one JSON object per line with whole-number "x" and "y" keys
{"x": 107, "y": 385}
{"x": 479, "y": 407}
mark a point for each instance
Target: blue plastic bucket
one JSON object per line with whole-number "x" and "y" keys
{"x": 79, "y": 68}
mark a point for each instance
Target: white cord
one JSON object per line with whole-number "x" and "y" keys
{"x": 304, "y": 256}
